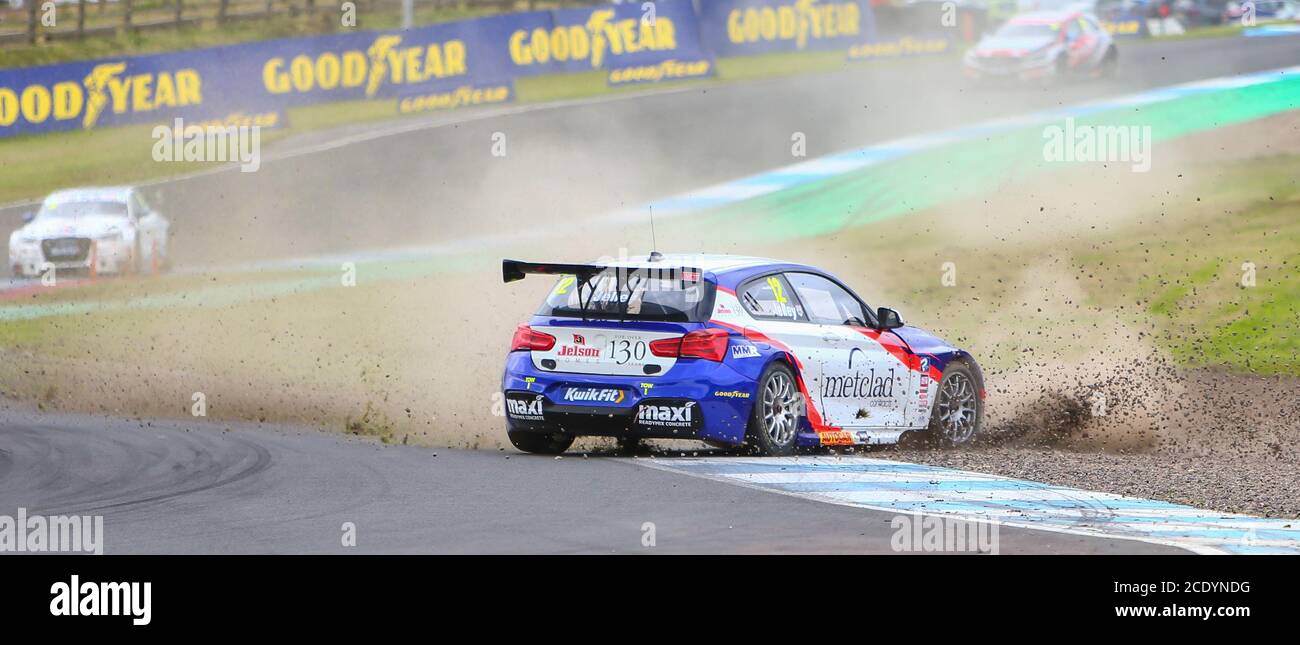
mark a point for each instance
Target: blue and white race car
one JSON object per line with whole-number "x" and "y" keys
{"x": 727, "y": 350}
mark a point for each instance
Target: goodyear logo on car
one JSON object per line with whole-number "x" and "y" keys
{"x": 739, "y": 27}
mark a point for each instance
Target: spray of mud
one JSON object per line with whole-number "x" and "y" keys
{"x": 1117, "y": 399}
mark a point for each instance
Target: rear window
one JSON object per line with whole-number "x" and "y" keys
{"x": 626, "y": 294}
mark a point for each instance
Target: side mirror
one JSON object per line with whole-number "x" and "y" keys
{"x": 887, "y": 318}
{"x": 29, "y": 216}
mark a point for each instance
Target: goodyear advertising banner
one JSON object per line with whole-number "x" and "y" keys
{"x": 444, "y": 66}
{"x": 637, "y": 42}
{"x": 903, "y": 46}
{"x": 1129, "y": 25}
{"x": 742, "y": 27}
{"x": 252, "y": 83}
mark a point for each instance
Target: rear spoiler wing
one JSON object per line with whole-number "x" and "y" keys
{"x": 512, "y": 270}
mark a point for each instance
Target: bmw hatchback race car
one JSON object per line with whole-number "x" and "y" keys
{"x": 109, "y": 230}
{"x": 727, "y": 350}
{"x": 1047, "y": 46}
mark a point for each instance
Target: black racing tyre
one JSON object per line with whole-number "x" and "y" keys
{"x": 777, "y": 412}
{"x": 958, "y": 413}
{"x": 1110, "y": 63}
{"x": 1061, "y": 73}
{"x": 629, "y": 445}
{"x": 541, "y": 443}
{"x": 134, "y": 268}
{"x": 166, "y": 265}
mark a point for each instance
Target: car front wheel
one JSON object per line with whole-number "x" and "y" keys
{"x": 958, "y": 410}
{"x": 1110, "y": 63}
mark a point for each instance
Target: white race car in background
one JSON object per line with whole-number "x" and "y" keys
{"x": 113, "y": 228}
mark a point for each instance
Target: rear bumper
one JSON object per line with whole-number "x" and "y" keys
{"x": 696, "y": 399}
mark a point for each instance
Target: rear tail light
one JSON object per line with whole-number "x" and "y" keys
{"x": 527, "y": 338}
{"x": 710, "y": 344}
{"x": 666, "y": 347}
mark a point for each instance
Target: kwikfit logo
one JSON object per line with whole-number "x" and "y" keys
{"x": 594, "y": 395}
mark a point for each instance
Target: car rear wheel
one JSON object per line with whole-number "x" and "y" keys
{"x": 1110, "y": 64}
{"x": 774, "y": 422}
{"x": 1060, "y": 70}
{"x": 541, "y": 443}
{"x": 958, "y": 410}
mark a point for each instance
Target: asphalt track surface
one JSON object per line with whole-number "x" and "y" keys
{"x": 192, "y": 487}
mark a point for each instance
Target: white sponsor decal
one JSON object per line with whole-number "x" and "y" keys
{"x": 744, "y": 351}
{"x": 525, "y": 410}
{"x": 923, "y": 401}
{"x": 667, "y": 416}
{"x": 594, "y": 394}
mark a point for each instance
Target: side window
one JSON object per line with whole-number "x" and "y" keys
{"x": 770, "y": 297}
{"x": 1072, "y": 31}
{"x": 827, "y": 303}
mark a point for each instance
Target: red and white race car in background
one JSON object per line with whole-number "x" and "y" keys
{"x": 1048, "y": 45}
{"x": 100, "y": 230}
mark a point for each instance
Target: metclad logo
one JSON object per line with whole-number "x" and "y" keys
{"x": 76, "y": 598}
{"x": 594, "y": 395}
{"x": 859, "y": 385}
{"x": 58, "y": 533}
